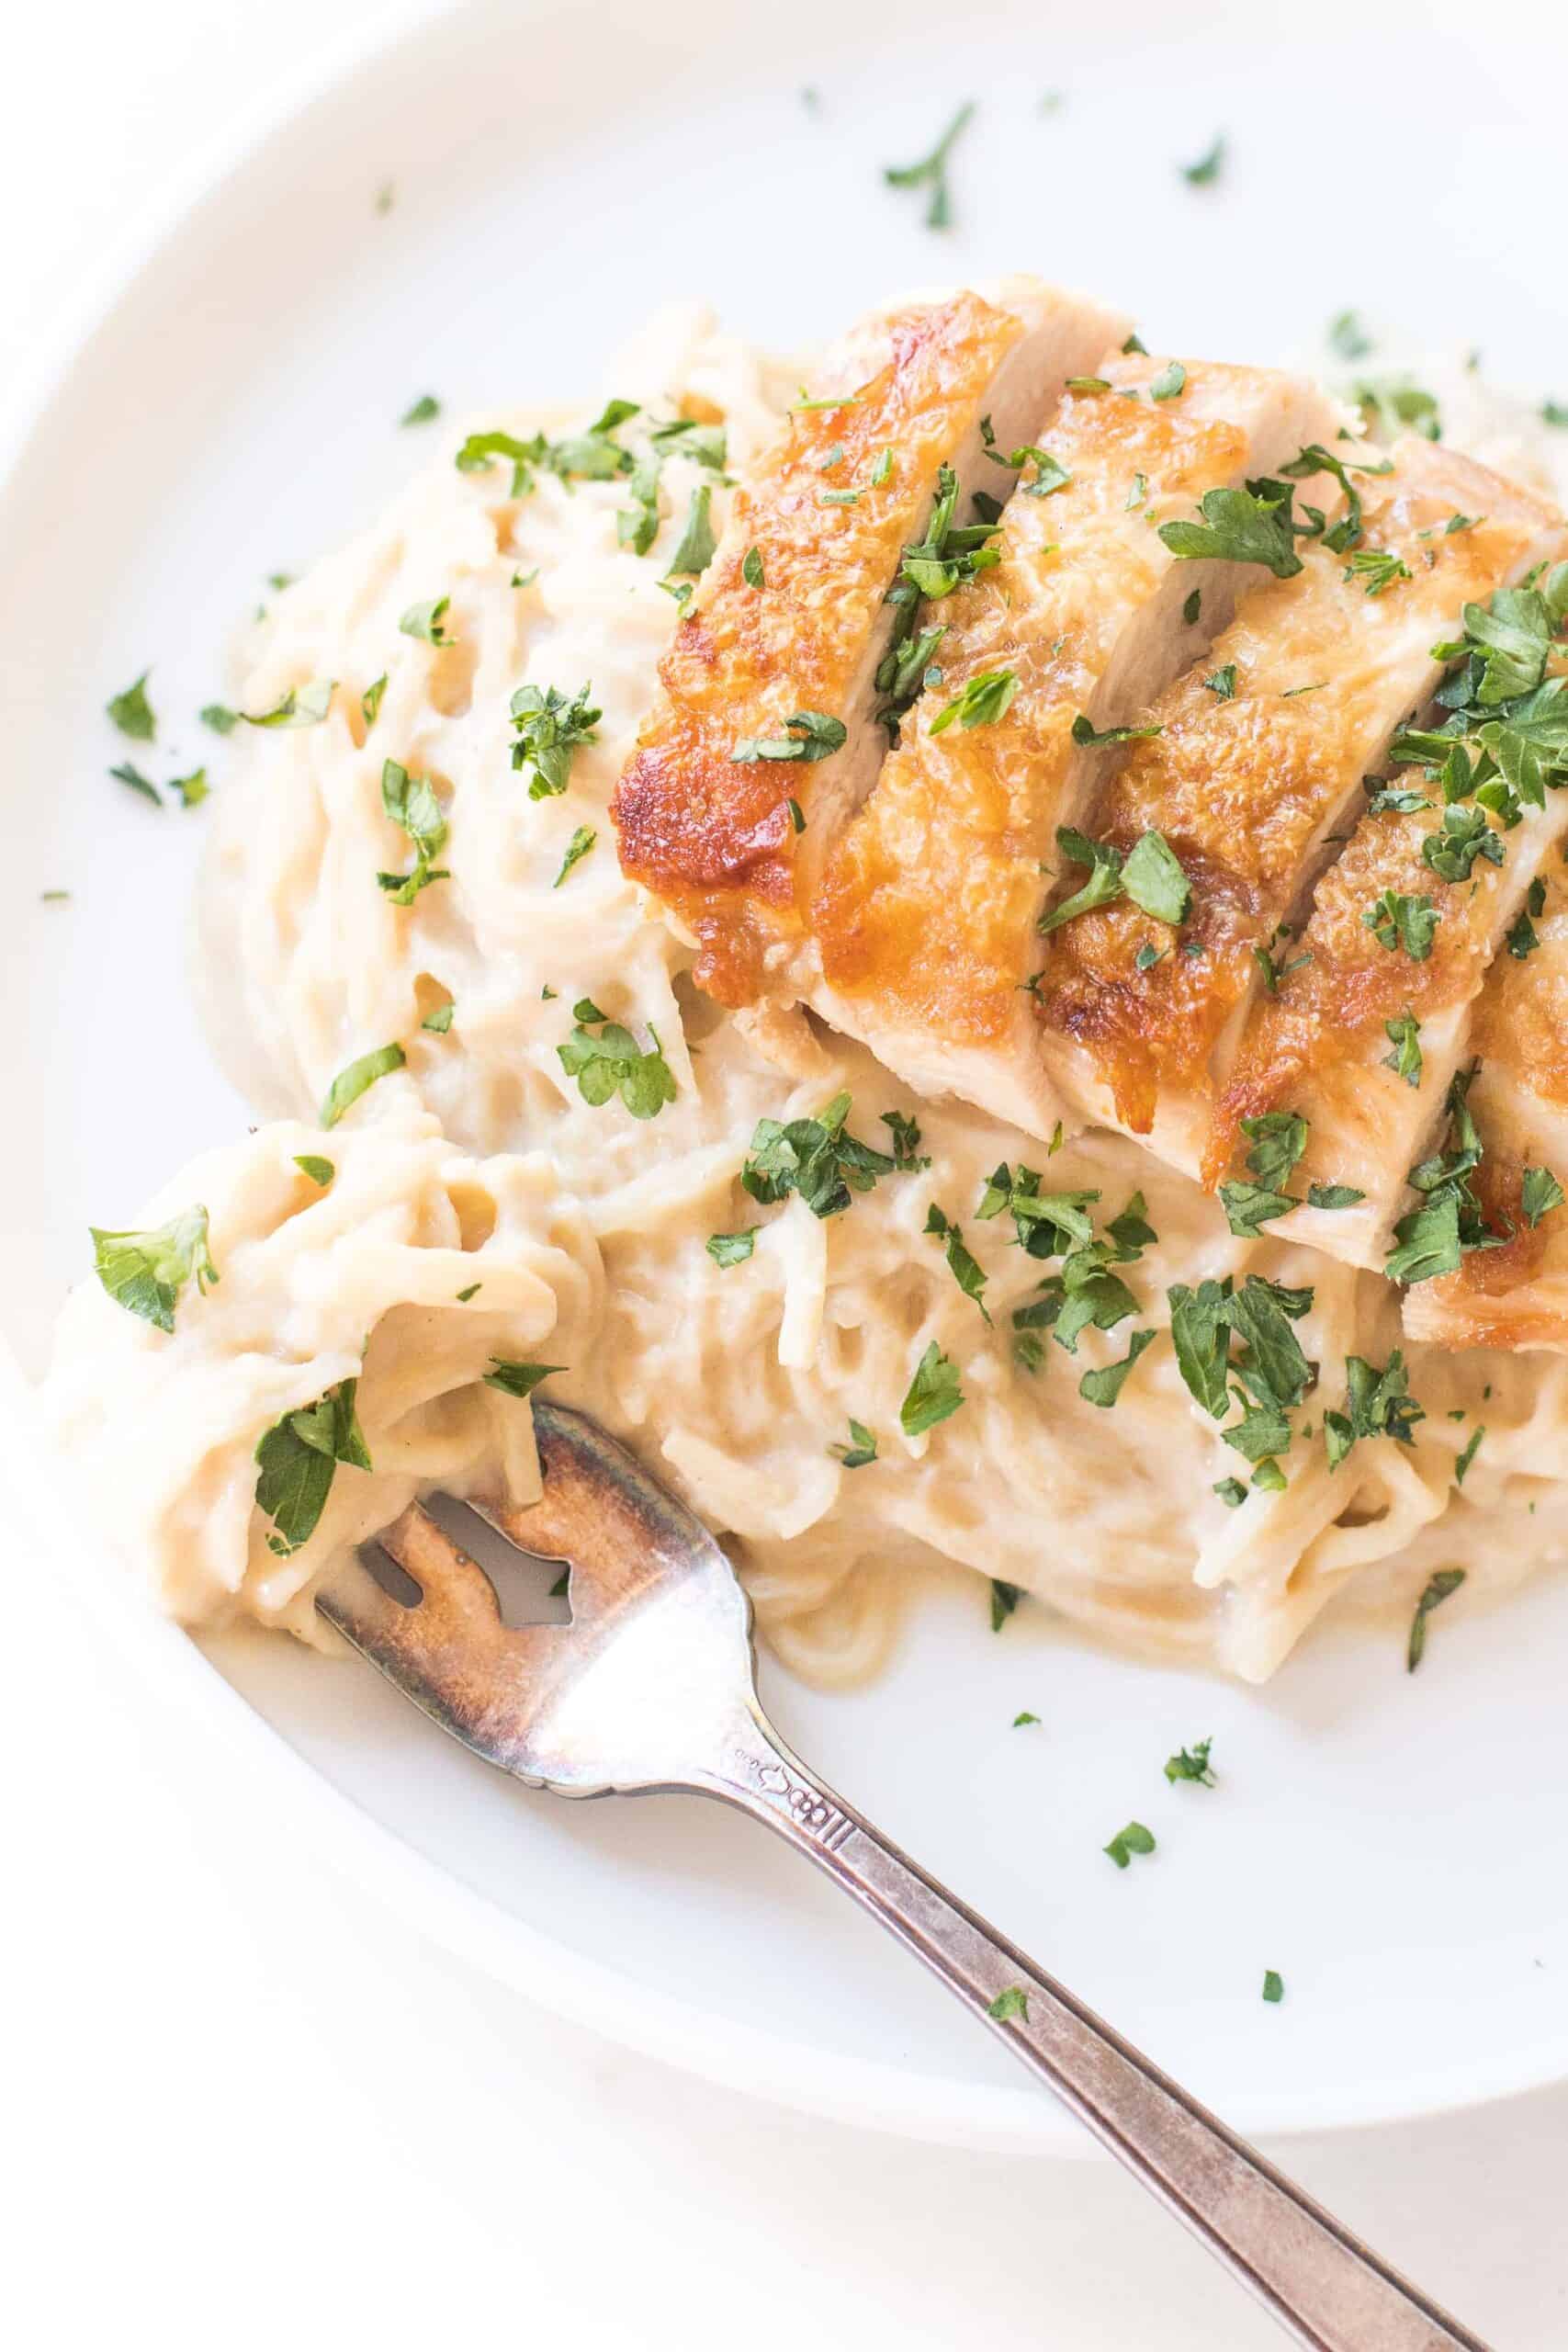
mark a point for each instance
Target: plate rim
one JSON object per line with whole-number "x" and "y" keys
{"x": 593, "y": 1994}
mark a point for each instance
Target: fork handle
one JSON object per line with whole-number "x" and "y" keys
{"x": 1330, "y": 2293}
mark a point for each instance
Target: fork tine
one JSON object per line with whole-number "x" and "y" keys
{"x": 450, "y": 1653}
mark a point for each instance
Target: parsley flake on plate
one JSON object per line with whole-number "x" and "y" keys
{"x": 1191, "y": 1764}
{"x": 930, "y": 172}
{"x": 1440, "y": 1587}
{"x": 320, "y": 1172}
{"x": 132, "y": 713}
{"x": 1133, "y": 1839}
{"x": 1012, "y": 2001}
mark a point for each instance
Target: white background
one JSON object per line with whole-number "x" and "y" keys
{"x": 243, "y": 2107}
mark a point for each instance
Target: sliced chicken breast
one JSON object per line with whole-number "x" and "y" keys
{"x": 1253, "y": 773}
{"x": 925, "y": 926}
{"x": 766, "y": 737}
{"x": 1517, "y": 1296}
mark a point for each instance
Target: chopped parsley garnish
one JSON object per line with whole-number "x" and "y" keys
{"x": 934, "y": 567}
{"x": 296, "y": 1459}
{"x": 409, "y": 801}
{"x": 1271, "y": 972}
{"x": 1004, "y": 1599}
{"x": 605, "y": 1059}
{"x": 1193, "y": 606}
{"x": 145, "y": 1273}
{"x": 1376, "y": 569}
{"x": 812, "y": 736}
{"x": 218, "y": 717}
{"x": 1221, "y": 682}
{"x": 1279, "y": 1139}
{"x": 1231, "y": 1492}
{"x": 965, "y": 1268}
{"x": 1440, "y": 1587}
{"x": 1469, "y": 1453}
{"x": 1025, "y": 1716}
{"x": 1333, "y": 1196}
{"x": 423, "y": 409}
{"x": 1207, "y": 169}
{"x": 751, "y": 567}
{"x": 427, "y": 621}
{"x": 931, "y": 172}
{"x": 1012, "y": 2001}
{"x": 1273, "y": 1985}
{"x": 577, "y": 850}
{"x": 816, "y": 1158}
{"x": 1396, "y": 920}
{"x": 517, "y": 1379}
{"x": 637, "y": 526}
{"x": 980, "y": 702}
{"x": 1191, "y": 1764}
{"x": 1347, "y": 338}
{"x": 933, "y": 1393}
{"x": 1377, "y": 1404}
{"x": 1522, "y": 939}
{"x": 904, "y": 1133}
{"x": 1393, "y": 404}
{"x": 440, "y": 1020}
{"x": 549, "y": 725}
{"x": 304, "y": 705}
{"x": 1539, "y": 1193}
{"x": 1104, "y": 1386}
{"x": 132, "y": 713}
{"x": 1133, "y": 1839}
{"x": 1404, "y": 1036}
{"x": 731, "y": 1249}
{"x": 861, "y": 1448}
{"x": 1089, "y": 737}
{"x": 1431, "y": 1239}
{"x": 351, "y": 1083}
{"x": 472, "y": 1290}
{"x": 1342, "y": 536}
{"x": 695, "y": 551}
{"x": 320, "y": 1172}
{"x": 1250, "y": 525}
{"x": 1238, "y": 1347}
{"x": 127, "y": 772}
{"x": 1172, "y": 380}
{"x": 1150, "y": 874}
{"x": 370, "y": 700}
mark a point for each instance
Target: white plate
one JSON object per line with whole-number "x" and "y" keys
{"x": 1388, "y": 1844}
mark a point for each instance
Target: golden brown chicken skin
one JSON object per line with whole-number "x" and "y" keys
{"x": 1254, "y": 778}
{"x": 925, "y": 921}
{"x": 791, "y": 617}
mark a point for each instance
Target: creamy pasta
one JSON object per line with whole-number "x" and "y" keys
{"x": 479, "y": 1160}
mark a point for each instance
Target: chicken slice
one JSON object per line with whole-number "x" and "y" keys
{"x": 1515, "y": 1297}
{"x": 790, "y": 616}
{"x": 1363, "y": 1035}
{"x": 1256, "y": 773}
{"x": 925, "y": 923}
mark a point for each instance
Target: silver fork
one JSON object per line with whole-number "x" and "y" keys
{"x": 651, "y": 1686}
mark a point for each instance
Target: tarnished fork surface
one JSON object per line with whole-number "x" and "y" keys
{"x": 651, "y": 1686}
